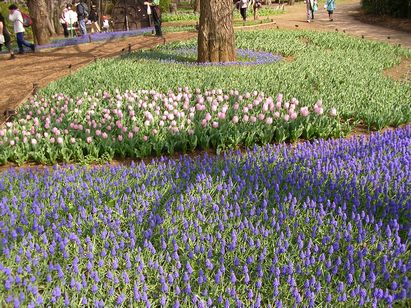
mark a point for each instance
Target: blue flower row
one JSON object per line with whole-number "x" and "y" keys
{"x": 316, "y": 224}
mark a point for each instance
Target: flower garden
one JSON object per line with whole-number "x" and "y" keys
{"x": 286, "y": 212}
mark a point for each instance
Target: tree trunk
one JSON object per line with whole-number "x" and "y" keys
{"x": 38, "y": 13}
{"x": 216, "y": 32}
{"x": 196, "y": 7}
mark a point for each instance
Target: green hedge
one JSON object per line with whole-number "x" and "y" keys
{"x": 165, "y": 5}
{"x": 396, "y": 8}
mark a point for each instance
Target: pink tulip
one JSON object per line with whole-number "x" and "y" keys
{"x": 279, "y": 97}
{"x": 293, "y": 116}
{"x": 261, "y": 117}
{"x": 208, "y": 117}
{"x": 236, "y": 106}
{"x": 246, "y": 118}
{"x": 286, "y": 117}
{"x": 12, "y": 142}
{"x": 154, "y": 132}
{"x": 235, "y": 119}
{"x": 215, "y": 124}
{"x": 72, "y": 140}
{"x": 59, "y": 140}
{"x": 253, "y": 119}
{"x": 145, "y": 138}
{"x": 333, "y": 112}
{"x": 269, "y": 120}
{"x": 104, "y": 135}
{"x": 221, "y": 115}
{"x": 89, "y": 139}
{"x": 119, "y": 137}
{"x": 203, "y": 122}
{"x": 304, "y": 111}
{"x": 319, "y": 110}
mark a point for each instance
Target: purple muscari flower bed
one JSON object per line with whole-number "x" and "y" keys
{"x": 252, "y": 58}
{"x": 310, "y": 224}
{"x": 94, "y": 37}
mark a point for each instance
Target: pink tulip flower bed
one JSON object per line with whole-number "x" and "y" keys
{"x": 141, "y": 123}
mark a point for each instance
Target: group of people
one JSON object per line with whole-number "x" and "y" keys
{"x": 242, "y": 5}
{"x": 312, "y": 7}
{"x": 79, "y": 18}
{"x": 16, "y": 17}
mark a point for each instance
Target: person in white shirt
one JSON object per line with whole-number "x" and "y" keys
{"x": 243, "y": 4}
{"x": 106, "y": 24}
{"x": 17, "y": 19}
{"x": 63, "y": 22}
{"x": 71, "y": 19}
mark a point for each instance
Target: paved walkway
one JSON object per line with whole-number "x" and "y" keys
{"x": 18, "y": 76}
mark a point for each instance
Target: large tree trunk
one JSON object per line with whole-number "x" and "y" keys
{"x": 216, "y": 32}
{"x": 39, "y": 15}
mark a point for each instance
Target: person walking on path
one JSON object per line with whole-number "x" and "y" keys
{"x": 155, "y": 4}
{"x": 330, "y": 6}
{"x": 93, "y": 18}
{"x": 243, "y": 9}
{"x": 17, "y": 19}
{"x": 63, "y": 22}
{"x": 71, "y": 20}
{"x": 82, "y": 13}
{"x": 311, "y": 5}
{"x": 5, "y": 38}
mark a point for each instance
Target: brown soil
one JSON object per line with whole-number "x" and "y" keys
{"x": 43, "y": 67}
{"x": 400, "y": 72}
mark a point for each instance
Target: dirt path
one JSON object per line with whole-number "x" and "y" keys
{"x": 43, "y": 67}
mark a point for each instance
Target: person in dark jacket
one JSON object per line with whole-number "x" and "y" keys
{"x": 6, "y": 39}
{"x": 93, "y": 19}
{"x": 155, "y": 5}
{"x": 82, "y": 14}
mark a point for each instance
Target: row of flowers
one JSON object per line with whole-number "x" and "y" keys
{"x": 322, "y": 223}
{"x": 141, "y": 123}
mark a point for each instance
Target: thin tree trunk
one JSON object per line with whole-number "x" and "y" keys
{"x": 38, "y": 13}
{"x": 197, "y": 6}
{"x": 216, "y": 32}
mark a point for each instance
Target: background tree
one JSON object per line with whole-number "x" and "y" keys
{"x": 196, "y": 6}
{"x": 216, "y": 32}
{"x": 39, "y": 14}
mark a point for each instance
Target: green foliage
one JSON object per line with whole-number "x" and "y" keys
{"x": 165, "y": 5}
{"x": 396, "y": 8}
{"x": 346, "y": 72}
{"x": 189, "y": 15}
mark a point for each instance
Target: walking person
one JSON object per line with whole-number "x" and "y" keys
{"x": 243, "y": 9}
{"x": 63, "y": 22}
{"x": 82, "y": 14}
{"x": 17, "y": 19}
{"x": 330, "y": 6}
{"x": 311, "y": 4}
{"x": 93, "y": 18}
{"x": 150, "y": 15}
{"x": 71, "y": 20}
{"x": 156, "y": 11}
{"x": 5, "y": 38}
{"x": 257, "y": 5}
